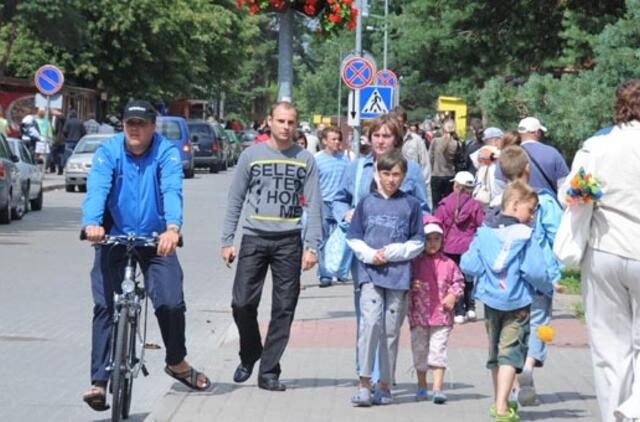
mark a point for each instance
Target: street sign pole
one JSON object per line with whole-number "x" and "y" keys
{"x": 355, "y": 139}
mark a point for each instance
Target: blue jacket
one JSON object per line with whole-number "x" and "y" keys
{"x": 509, "y": 266}
{"x": 413, "y": 184}
{"x": 142, "y": 194}
{"x": 545, "y": 227}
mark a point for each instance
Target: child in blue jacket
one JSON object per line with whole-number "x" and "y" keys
{"x": 510, "y": 267}
{"x": 514, "y": 163}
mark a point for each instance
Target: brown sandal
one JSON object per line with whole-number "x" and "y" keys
{"x": 189, "y": 378}
{"x": 96, "y": 398}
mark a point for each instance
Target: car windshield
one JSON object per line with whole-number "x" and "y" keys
{"x": 169, "y": 129}
{"x": 89, "y": 145}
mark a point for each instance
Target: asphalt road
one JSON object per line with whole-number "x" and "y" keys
{"x": 46, "y": 306}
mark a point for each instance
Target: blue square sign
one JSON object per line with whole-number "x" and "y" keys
{"x": 375, "y": 100}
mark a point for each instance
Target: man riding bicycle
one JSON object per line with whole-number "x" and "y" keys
{"x": 135, "y": 187}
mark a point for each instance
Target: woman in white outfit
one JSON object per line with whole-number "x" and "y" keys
{"x": 611, "y": 263}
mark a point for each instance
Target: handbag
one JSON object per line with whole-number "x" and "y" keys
{"x": 337, "y": 254}
{"x": 573, "y": 235}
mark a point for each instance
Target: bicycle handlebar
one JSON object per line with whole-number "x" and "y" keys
{"x": 130, "y": 240}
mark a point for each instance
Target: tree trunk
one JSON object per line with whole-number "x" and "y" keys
{"x": 285, "y": 56}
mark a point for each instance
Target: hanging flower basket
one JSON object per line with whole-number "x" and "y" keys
{"x": 333, "y": 15}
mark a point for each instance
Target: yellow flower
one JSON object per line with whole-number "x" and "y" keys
{"x": 545, "y": 333}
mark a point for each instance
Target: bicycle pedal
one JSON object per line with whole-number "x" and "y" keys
{"x": 144, "y": 370}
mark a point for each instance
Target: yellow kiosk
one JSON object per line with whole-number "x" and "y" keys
{"x": 457, "y": 109}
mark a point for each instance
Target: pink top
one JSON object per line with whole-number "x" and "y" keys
{"x": 439, "y": 276}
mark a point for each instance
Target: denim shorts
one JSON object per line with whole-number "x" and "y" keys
{"x": 508, "y": 333}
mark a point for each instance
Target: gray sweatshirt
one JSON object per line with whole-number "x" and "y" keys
{"x": 276, "y": 185}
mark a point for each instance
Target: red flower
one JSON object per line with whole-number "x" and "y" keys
{"x": 254, "y": 9}
{"x": 335, "y": 18}
{"x": 309, "y": 9}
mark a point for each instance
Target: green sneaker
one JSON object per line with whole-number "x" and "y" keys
{"x": 511, "y": 417}
{"x": 511, "y": 405}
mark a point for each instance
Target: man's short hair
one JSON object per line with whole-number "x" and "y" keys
{"x": 284, "y": 104}
{"x": 513, "y": 162}
{"x": 330, "y": 129}
{"x": 518, "y": 191}
{"x": 390, "y": 159}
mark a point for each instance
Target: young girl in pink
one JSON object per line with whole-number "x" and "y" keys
{"x": 437, "y": 284}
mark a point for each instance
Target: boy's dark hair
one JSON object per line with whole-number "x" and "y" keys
{"x": 390, "y": 159}
{"x": 519, "y": 191}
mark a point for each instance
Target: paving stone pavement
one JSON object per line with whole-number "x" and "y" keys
{"x": 318, "y": 368}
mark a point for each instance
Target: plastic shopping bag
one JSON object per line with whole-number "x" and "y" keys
{"x": 573, "y": 235}
{"x": 337, "y": 254}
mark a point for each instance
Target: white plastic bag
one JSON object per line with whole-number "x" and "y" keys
{"x": 573, "y": 235}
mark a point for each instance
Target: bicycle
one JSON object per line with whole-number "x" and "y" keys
{"x": 124, "y": 364}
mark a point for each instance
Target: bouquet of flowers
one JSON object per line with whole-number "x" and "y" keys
{"x": 583, "y": 189}
{"x": 333, "y": 15}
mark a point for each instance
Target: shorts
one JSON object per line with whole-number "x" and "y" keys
{"x": 508, "y": 333}
{"x": 429, "y": 346}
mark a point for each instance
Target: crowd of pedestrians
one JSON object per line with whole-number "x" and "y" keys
{"x": 430, "y": 224}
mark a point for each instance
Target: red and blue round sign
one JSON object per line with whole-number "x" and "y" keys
{"x": 386, "y": 77}
{"x": 357, "y": 72}
{"x": 49, "y": 79}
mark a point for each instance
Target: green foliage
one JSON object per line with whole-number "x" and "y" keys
{"x": 571, "y": 281}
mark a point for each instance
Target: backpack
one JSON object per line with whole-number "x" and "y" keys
{"x": 482, "y": 192}
{"x": 460, "y": 158}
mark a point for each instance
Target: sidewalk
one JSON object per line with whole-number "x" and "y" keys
{"x": 52, "y": 181}
{"x": 318, "y": 369}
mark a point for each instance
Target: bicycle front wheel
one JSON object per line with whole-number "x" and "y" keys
{"x": 132, "y": 361}
{"x": 119, "y": 379}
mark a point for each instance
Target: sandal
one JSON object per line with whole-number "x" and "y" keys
{"x": 189, "y": 378}
{"x": 96, "y": 398}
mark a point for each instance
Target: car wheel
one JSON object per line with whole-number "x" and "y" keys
{"x": 5, "y": 213}
{"x": 70, "y": 188}
{"x": 82, "y": 188}
{"x": 224, "y": 165}
{"x": 18, "y": 211}
{"x": 213, "y": 168}
{"x": 36, "y": 204}
{"x": 189, "y": 173}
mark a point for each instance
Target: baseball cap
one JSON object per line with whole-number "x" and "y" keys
{"x": 492, "y": 132}
{"x": 139, "y": 109}
{"x": 530, "y": 124}
{"x": 433, "y": 228}
{"x": 464, "y": 178}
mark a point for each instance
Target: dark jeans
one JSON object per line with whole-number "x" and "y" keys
{"x": 466, "y": 302}
{"x": 69, "y": 146}
{"x": 57, "y": 154}
{"x": 441, "y": 186}
{"x": 163, "y": 285}
{"x": 257, "y": 253}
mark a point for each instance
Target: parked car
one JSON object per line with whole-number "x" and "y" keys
{"x": 30, "y": 174}
{"x": 248, "y": 138}
{"x": 225, "y": 150}
{"x": 236, "y": 145}
{"x": 12, "y": 199}
{"x": 206, "y": 146}
{"x": 175, "y": 130}
{"x": 79, "y": 163}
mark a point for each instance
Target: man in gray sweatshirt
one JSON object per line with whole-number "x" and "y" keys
{"x": 275, "y": 181}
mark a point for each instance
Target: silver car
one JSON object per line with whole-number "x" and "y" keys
{"x": 12, "y": 200}
{"x": 79, "y": 163}
{"x": 30, "y": 174}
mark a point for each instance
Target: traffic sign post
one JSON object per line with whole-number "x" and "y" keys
{"x": 357, "y": 72}
{"x": 49, "y": 80}
{"x": 375, "y": 100}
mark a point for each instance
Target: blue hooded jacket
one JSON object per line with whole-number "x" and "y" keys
{"x": 545, "y": 228}
{"x": 509, "y": 265}
{"x": 142, "y": 194}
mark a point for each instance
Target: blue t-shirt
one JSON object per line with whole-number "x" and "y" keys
{"x": 380, "y": 222}
{"x": 549, "y": 160}
{"x": 330, "y": 171}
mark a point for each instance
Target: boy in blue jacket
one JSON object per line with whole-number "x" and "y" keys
{"x": 514, "y": 163}
{"x": 509, "y": 266}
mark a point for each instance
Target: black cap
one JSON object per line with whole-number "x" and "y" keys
{"x": 139, "y": 109}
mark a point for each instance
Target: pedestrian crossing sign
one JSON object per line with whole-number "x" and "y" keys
{"x": 375, "y": 100}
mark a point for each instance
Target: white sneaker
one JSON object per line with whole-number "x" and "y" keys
{"x": 471, "y": 315}
{"x": 458, "y": 319}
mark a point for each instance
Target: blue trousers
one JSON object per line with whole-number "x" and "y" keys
{"x": 163, "y": 284}
{"x": 540, "y": 315}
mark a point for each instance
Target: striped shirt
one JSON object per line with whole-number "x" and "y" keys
{"x": 330, "y": 171}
